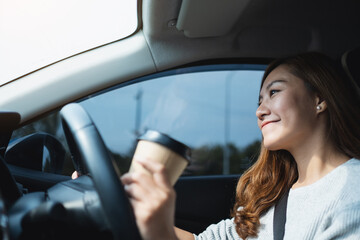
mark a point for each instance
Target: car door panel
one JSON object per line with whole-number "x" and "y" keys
{"x": 204, "y": 200}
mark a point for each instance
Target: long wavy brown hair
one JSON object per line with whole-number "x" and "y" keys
{"x": 262, "y": 185}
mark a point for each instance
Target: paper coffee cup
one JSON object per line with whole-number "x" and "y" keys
{"x": 161, "y": 148}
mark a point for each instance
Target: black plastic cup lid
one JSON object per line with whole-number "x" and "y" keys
{"x": 165, "y": 140}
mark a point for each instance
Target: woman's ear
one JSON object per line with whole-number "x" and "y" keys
{"x": 320, "y": 105}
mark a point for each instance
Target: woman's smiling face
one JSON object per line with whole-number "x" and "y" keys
{"x": 287, "y": 110}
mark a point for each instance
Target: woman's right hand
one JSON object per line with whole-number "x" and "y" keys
{"x": 153, "y": 200}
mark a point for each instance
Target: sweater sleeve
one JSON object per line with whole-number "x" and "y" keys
{"x": 343, "y": 224}
{"x": 224, "y": 230}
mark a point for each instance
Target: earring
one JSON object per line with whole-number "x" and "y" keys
{"x": 318, "y": 107}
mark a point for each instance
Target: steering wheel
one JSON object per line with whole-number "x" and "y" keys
{"x": 4, "y": 224}
{"x": 87, "y": 146}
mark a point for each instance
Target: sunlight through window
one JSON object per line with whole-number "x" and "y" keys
{"x": 40, "y": 32}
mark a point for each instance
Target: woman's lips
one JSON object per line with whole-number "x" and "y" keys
{"x": 266, "y": 123}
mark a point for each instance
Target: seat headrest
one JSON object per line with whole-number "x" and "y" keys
{"x": 350, "y": 61}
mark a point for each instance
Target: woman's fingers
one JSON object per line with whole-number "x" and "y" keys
{"x": 137, "y": 185}
{"x": 143, "y": 186}
{"x": 74, "y": 175}
{"x": 157, "y": 170}
{"x": 126, "y": 178}
{"x": 152, "y": 198}
{"x": 134, "y": 191}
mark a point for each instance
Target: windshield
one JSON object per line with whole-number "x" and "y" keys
{"x": 40, "y": 32}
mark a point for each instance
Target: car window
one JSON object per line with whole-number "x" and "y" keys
{"x": 209, "y": 108}
{"x": 211, "y": 111}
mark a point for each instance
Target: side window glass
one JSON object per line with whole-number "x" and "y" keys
{"x": 213, "y": 112}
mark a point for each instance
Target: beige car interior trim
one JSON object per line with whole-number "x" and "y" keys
{"x": 77, "y": 76}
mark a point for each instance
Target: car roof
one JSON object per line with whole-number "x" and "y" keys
{"x": 262, "y": 29}
{"x": 179, "y": 32}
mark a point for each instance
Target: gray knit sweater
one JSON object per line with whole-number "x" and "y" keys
{"x": 326, "y": 209}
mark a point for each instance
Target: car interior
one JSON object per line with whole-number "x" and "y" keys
{"x": 173, "y": 38}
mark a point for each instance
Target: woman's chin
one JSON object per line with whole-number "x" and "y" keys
{"x": 271, "y": 146}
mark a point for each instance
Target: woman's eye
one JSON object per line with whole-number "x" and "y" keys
{"x": 272, "y": 92}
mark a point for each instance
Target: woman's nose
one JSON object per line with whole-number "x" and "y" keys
{"x": 262, "y": 111}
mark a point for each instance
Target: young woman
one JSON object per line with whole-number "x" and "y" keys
{"x": 309, "y": 116}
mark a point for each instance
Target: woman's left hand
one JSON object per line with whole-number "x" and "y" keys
{"x": 75, "y": 175}
{"x": 153, "y": 200}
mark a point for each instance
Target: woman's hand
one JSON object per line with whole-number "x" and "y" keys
{"x": 75, "y": 175}
{"x": 153, "y": 200}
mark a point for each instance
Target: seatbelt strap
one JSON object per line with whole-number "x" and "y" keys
{"x": 280, "y": 217}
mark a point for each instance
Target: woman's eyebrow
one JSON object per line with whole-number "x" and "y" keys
{"x": 273, "y": 82}
{"x": 269, "y": 86}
